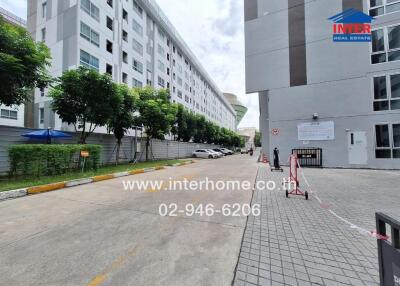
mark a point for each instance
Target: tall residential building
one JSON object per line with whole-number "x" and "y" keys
{"x": 239, "y": 107}
{"x": 131, "y": 40}
{"x": 12, "y": 115}
{"x": 343, "y": 97}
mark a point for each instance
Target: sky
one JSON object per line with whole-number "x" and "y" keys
{"x": 214, "y": 31}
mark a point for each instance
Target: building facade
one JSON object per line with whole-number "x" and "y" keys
{"x": 314, "y": 92}
{"x": 131, "y": 40}
{"x": 12, "y": 115}
{"x": 239, "y": 107}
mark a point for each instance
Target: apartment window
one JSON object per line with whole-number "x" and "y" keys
{"x": 124, "y": 78}
{"x": 386, "y": 92}
{"x": 387, "y": 143}
{"x": 88, "y": 60}
{"x": 137, "y": 9}
{"x": 110, "y": 23}
{"x": 186, "y": 87}
{"x": 161, "y": 66}
{"x": 41, "y": 115}
{"x": 137, "y": 66}
{"x": 90, "y": 35}
{"x": 161, "y": 34}
{"x": 44, "y": 9}
{"x": 385, "y": 45}
{"x": 110, "y": 3}
{"x": 179, "y": 94}
{"x": 161, "y": 82}
{"x": 160, "y": 50}
{"x": 180, "y": 68}
{"x": 136, "y": 83}
{"x": 137, "y": 27}
{"x": 381, "y": 7}
{"x": 179, "y": 81}
{"x": 124, "y": 15}
{"x": 138, "y": 47}
{"x": 91, "y": 9}
{"x": 9, "y": 114}
{"x": 43, "y": 34}
{"x": 124, "y": 57}
{"x": 173, "y": 89}
{"x": 109, "y": 69}
{"x": 167, "y": 57}
{"x": 168, "y": 71}
{"x": 109, "y": 46}
{"x": 42, "y": 91}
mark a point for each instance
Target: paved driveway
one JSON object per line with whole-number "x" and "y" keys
{"x": 299, "y": 242}
{"x": 99, "y": 234}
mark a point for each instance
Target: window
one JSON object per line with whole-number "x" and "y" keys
{"x": 161, "y": 66}
{"x": 90, "y": 35}
{"x": 109, "y": 46}
{"x": 179, "y": 94}
{"x": 136, "y": 83}
{"x": 43, "y": 34}
{"x": 137, "y": 66}
{"x": 387, "y": 141}
{"x": 125, "y": 57}
{"x": 161, "y": 34}
{"x": 168, "y": 71}
{"x": 138, "y": 9}
{"x": 381, "y": 7}
{"x": 44, "y": 9}
{"x": 179, "y": 81}
{"x": 160, "y": 50}
{"x": 89, "y": 61}
{"x": 385, "y": 45}
{"x": 124, "y": 15}
{"x": 91, "y": 9}
{"x": 9, "y": 114}
{"x": 386, "y": 92}
{"x": 109, "y": 69}
{"x": 110, "y": 23}
{"x": 125, "y": 35}
{"x": 110, "y": 3}
{"x": 137, "y": 27}
{"x": 124, "y": 78}
{"x": 42, "y": 91}
{"x": 41, "y": 115}
{"x": 138, "y": 47}
{"x": 161, "y": 82}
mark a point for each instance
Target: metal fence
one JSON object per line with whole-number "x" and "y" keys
{"x": 309, "y": 157}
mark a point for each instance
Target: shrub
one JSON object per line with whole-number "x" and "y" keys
{"x": 37, "y": 160}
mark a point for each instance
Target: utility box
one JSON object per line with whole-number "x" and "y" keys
{"x": 388, "y": 250}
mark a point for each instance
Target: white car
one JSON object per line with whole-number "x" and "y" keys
{"x": 227, "y": 151}
{"x": 219, "y": 154}
{"x": 204, "y": 153}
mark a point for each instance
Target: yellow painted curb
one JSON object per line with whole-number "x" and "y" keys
{"x": 45, "y": 188}
{"x": 134, "y": 172}
{"x": 102, "y": 178}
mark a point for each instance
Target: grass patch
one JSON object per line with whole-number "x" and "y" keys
{"x": 7, "y": 183}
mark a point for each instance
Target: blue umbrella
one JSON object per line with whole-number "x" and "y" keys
{"x": 46, "y": 134}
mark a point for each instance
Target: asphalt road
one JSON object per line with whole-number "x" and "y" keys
{"x": 100, "y": 234}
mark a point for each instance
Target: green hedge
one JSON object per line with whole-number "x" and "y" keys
{"x": 45, "y": 160}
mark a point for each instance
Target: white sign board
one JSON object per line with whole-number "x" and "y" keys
{"x": 316, "y": 131}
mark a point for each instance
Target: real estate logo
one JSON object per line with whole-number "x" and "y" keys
{"x": 351, "y": 26}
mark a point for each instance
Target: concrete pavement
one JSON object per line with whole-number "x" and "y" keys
{"x": 99, "y": 234}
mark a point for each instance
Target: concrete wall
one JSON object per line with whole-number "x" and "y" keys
{"x": 161, "y": 149}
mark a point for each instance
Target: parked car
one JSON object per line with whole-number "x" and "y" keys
{"x": 221, "y": 151}
{"x": 244, "y": 151}
{"x": 229, "y": 152}
{"x": 219, "y": 154}
{"x": 204, "y": 153}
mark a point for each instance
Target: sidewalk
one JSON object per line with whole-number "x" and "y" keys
{"x": 297, "y": 242}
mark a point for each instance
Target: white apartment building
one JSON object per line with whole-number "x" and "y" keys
{"x": 12, "y": 115}
{"x": 131, "y": 40}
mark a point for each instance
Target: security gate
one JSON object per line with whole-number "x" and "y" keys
{"x": 388, "y": 253}
{"x": 309, "y": 157}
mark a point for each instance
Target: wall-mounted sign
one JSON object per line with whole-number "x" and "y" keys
{"x": 316, "y": 131}
{"x": 84, "y": 154}
{"x": 275, "y": 131}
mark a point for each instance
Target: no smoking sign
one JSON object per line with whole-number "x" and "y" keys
{"x": 275, "y": 131}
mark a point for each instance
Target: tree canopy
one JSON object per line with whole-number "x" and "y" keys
{"x": 23, "y": 64}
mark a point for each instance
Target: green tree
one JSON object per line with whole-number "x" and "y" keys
{"x": 209, "y": 132}
{"x": 84, "y": 97}
{"x": 156, "y": 113}
{"x": 180, "y": 126}
{"x": 200, "y": 129}
{"x": 23, "y": 64}
{"x": 122, "y": 118}
{"x": 257, "y": 139}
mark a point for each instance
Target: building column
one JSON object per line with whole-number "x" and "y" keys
{"x": 263, "y": 98}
